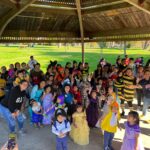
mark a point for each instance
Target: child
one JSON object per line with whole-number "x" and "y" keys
{"x": 92, "y": 110}
{"x": 106, "y": 107}
{"x": 60, "y": 128}
{"x": 112, "y": 93}
{"x": 48, "y": 106}
{"x": 36, "y": 113}
{"x": 80, "y": 129}
{"x": 131, "y": 139}
{"x": 76, "y": 93}
{"x": 60, "y": 103}
{"x": 18, "y": 78}
{"x": 109, "y": 125}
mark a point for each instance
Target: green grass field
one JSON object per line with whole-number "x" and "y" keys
{"x": 43, "y": 54}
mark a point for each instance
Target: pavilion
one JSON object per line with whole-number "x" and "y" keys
{"x": 66, "y": 21}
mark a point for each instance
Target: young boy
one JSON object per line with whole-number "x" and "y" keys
{"x": 60, "y": 128}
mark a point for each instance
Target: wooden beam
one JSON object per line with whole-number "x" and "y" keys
{"x": 145, "y": 6}
{"x": 106, "y": 8}
{"x": 124, "y": 31}
{"x": 52, "y": 3}
{"x": 78, "y": 5}
{"x": 74, "y": 40}
{"x": 12, "y": 14}
{"x": 51, "y": 11}
{"x": 22, "y": 33}
{"x": 7, "y": 3}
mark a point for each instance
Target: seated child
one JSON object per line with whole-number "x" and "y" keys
{"x": 60, "y": 128}
{"x": 80, "y": 129}
{"x": 37, "y": 115}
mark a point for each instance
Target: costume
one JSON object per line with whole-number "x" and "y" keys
{"x": 37, "y": 118}
{"x": 57, "y": 128}
{"x": 92, "y": 112}
{"x": 129, "y": 138}
{"x": 80, "y": 135}
{"x": 48, "y": 108}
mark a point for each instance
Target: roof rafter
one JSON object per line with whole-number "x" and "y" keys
{"x": 145, "y": 6}
{"x": 12, "y": 14}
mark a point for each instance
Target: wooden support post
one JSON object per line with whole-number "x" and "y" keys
{"x": 5, "y": 20}
{"x": 78, "y": 5}
{"x": 125, "y": 48}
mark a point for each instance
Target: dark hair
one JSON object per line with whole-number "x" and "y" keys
{"x": 135, "y": 115}
{"x": 47, "y": 86}
{"x": 79, "y": 105}
{"x": 22, "y": 81}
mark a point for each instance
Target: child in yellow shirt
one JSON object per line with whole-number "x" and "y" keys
{"x": 109, "y": 124}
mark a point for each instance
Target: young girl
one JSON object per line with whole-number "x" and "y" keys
{"x": 48, "y": 106}
{"x": 109, "y": 125}
{"x": 131, "y": 139}
{"x": 92, "y": 110}
{"x": 80, "y": 129}
{"x": 37, "y": 115}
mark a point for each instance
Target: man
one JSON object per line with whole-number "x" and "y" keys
{"x": 36, "y": 75}
{"x": 32, "y": 62}
{"x": 11, "y": 107}
{"x": 145, "y": 85}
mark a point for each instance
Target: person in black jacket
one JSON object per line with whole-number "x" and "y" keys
{"x": 11, "y": 108}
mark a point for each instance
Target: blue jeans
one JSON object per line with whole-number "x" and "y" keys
{"x": 10, "y": 120}
{"x": 108, "y": 137}
{"x": 145, "y": 105}
{"x": 61, "y": 143}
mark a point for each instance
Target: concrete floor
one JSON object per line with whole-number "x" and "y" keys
{"x": 43, "y": 139}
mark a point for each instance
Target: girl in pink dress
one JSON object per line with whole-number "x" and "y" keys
{"x": 132, "y": 139}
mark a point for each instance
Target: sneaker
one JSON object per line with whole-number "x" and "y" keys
{"x": 22, "y": 132}
{"x": 147, "y": 121}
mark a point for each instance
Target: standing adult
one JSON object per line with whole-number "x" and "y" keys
{"x": 11, "y": 107}
{"x": 32, "y": 62}
{"x": 145, "y": 85}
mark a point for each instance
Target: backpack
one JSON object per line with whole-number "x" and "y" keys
{"x": 54, "y": 124}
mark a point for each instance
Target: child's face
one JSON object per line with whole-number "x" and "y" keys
{"x": 129, "y": 72}
{"x": 42, "y": 84}
{"x": 110, "y": 90}
{"x": 109, "y": 102}
{"x": 100, "y": 82}
{"x": 75, "y": 88}
{"x": 20, "y": 75}
{"x": 79, "y": 109}
{"x": 60, "y": 118}
{"x": 130, "y": 119}
{"x": 48, "y": 90}
{"x": 94, "y": 94}
{"x": 58, "y": 100}
{"x": 115, "y": 109}
{"x": 67, "y": 89}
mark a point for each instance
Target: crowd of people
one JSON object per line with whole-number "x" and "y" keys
{"x": 73, "y": 100}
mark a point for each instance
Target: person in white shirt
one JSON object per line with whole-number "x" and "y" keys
{"x": 32, "y": 62}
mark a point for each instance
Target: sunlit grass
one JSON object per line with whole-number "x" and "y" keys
{"x": 43, "y": 54}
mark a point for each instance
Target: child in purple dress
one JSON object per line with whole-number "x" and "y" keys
{"x": 48, "y": 106}
{"x": 92, "y": 110}
{"x": 132, "y": 139}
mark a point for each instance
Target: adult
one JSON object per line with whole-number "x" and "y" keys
{"x": 11, "y": 107}
{"x": 36, "y": 75}
{"x": 145, "y": 85}
{"x": 32, "y": 62}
